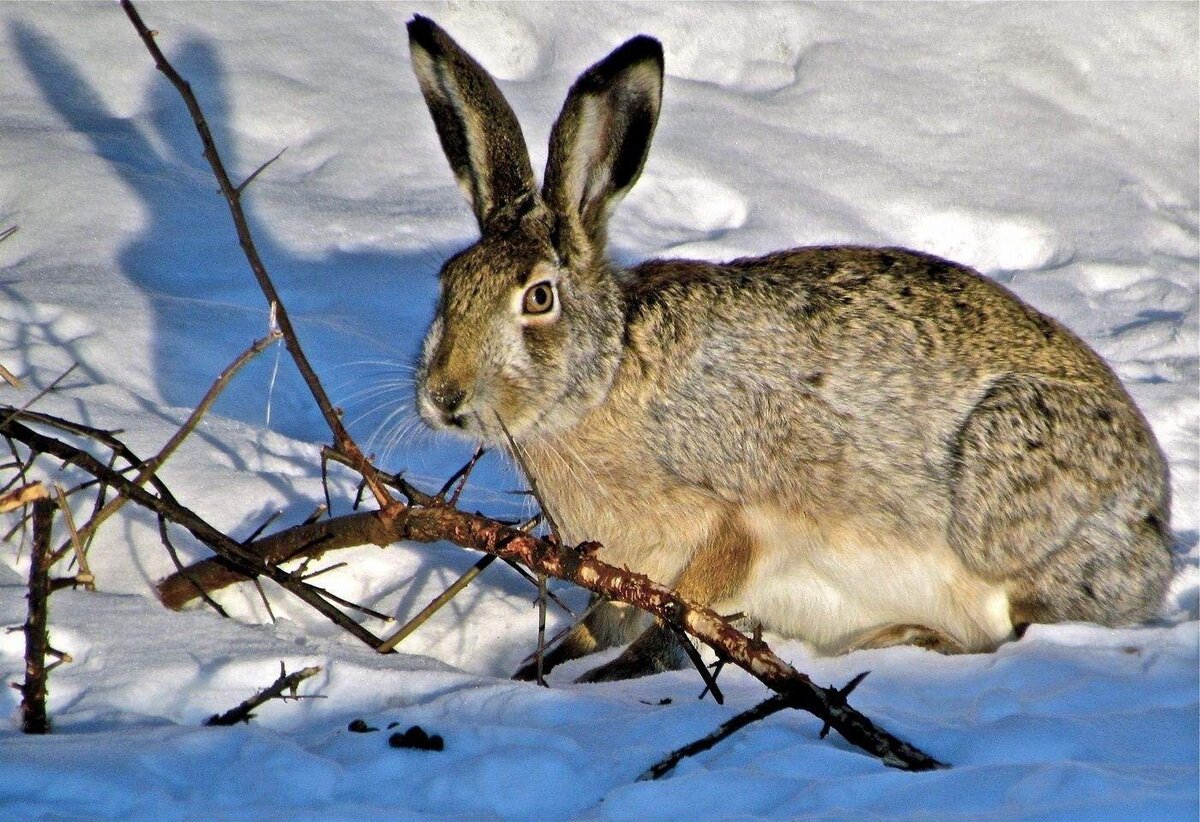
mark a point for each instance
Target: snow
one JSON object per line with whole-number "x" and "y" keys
{"x": 1052, "y": 146}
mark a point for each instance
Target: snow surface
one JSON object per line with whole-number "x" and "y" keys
{"x": 1054, "y": 147}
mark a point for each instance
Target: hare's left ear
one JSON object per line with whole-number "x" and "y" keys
{"x": 599, "y": 143}
{"x": 478, "y": 129}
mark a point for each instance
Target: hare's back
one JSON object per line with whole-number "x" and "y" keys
{"x": 831, "y": 368}
{"x": 842, "y": 303}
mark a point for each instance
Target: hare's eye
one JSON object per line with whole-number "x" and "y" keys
{"x": 539, "y": 298}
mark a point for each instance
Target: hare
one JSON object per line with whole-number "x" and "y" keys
{"x": 857, "y": 447}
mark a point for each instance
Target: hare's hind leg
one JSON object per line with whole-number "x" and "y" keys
{"x": 1105, "y": 575}
{"x": 1059, "y": 491}
{"x": 608, "y": 624}
{"x": 716, "y": 572}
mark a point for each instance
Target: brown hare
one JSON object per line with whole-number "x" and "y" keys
{"x": 857, "y": 447}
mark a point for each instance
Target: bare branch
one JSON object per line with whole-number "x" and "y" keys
{"x": 540, "y": 653}
{"x": 44, "y": 391}
{"x": 276, "y": 514}
{"x": 84, "y": 575}
{"x": 232, "y": 195}
{"x": 244, "y": 563}
{"x": 762, "y": 710}
{"x": 37, "y": 642}
{"x": 8, "y": 376}
{"x": 183, "y": 572}
{"x": 151, "y": 466}
{"x": 533, "y": 483}
{"x": 728, "y": 728}
{"x": 462, "y": 474}
{"x": 436, "y": 604}
{"x": 285, "y": 682}
{"x": 710, "y": 679}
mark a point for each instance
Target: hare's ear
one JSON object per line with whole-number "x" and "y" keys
{"x": 477, "y": 127}
{"x": 600, "y": 140}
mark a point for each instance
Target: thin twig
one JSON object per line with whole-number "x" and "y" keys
{"x": 262, "y": 595}
{"x": 460, "y": 476}
{"x": 233, "y": 554}
{"x": 554, "y": 640}
{"x": 101, "y": 499}
{"x": 166, "y": 541}
{"x": 436, "y": 604}
{"x": 8, "y": 376}
{"x": 84, "y": 575}
{"x": 532, "y": 580}
{"x": 307, "y": 576}
{"x": 239, "y": 189}
{"x": 33, "y": 400}
{"x": 285, "y": 682}
{"x": 20, "y": 497}
{"x": 766, "y": 708}
{"x": 354, "y": 606}
{"x": 540, "y": 653}
{"x": 263, "y": 526}
{"x": 533, "y": 483}
{"x": 151, "y": 466}
{"x": 710, "y": 681}
{"x": 762, "y": 710}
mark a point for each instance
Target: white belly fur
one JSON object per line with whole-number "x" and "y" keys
{"x": 829, "y": 583}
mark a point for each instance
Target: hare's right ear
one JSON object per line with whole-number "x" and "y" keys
{"x": 599, "y": 143}
{"x": 478, "y": 129}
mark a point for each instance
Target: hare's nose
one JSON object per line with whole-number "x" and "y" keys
{"x": 449, "y": 397}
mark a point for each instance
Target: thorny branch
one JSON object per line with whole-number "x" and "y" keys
{"x": 234, "y": 555}
{"x": 762, "y": 710}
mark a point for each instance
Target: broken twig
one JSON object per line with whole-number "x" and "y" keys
{"x": 285, "y": 682}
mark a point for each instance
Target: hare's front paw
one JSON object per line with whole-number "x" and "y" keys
{"x": 625, "y": 667}
{"x": 655, "y": 651}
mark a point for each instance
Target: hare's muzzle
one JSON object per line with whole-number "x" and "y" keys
{"x": 449, "y": 400}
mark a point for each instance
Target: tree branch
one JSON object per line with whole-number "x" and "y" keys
{"x": 233, "y": 197}
{"x": 150, "y": 467}
{"x": 37, "y": 641}
{"x": 285, "y": 682}
{"x": 247, "y": 564}
{"x": 578, "y": 565}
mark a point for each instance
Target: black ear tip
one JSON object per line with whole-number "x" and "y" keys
{"x": 639, "y": 49}
{"x": 423, "y": 32}
{"x": 636, "y": 51}
{"x": 646, "y": 45}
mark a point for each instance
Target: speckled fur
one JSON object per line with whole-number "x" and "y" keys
{"x": 855, "y": 446}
